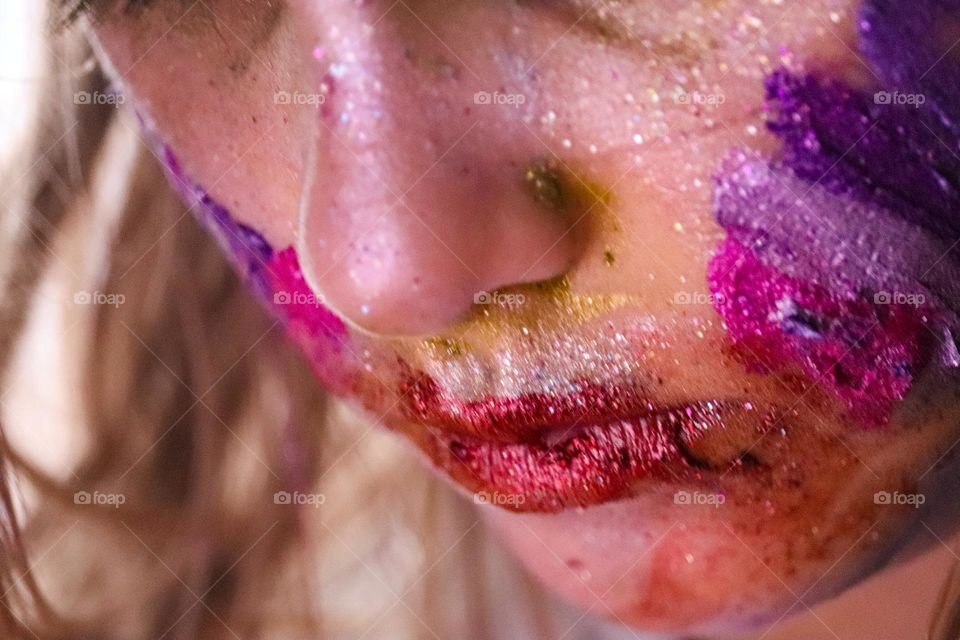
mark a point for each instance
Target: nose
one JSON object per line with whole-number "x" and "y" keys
{"x": 420, "y": 193}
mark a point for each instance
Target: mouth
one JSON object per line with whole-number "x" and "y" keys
{"x": 591, "y": 445}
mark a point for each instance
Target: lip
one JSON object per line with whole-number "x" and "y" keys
{"x": 581, "y": 444}
{"x": 550, "y": 452}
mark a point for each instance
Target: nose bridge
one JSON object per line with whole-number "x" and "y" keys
{"x": 408, "y": 213}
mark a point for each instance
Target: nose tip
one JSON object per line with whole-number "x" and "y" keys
{"x": 415, "y": 203}
{"x": 406, "y": 244}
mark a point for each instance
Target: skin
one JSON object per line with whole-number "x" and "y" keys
{"x": 405, "y": 207}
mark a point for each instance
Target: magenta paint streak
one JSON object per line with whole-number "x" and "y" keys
{"x": 298, "y": 305}
{"x": 866, "y": 353}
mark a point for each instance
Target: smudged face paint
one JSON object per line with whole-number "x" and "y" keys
{"x": 274, "y": 275}
{"x": 839, "y": 260}
{"x": 582, "y": 444}
{"x": 372, "y": 172}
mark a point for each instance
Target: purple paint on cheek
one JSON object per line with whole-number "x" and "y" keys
{"x": 839, "y": 261}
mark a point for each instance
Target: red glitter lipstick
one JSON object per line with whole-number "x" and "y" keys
{"x": 549, "y": 452}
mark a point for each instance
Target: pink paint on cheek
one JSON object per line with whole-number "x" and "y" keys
{"x": 296, "y": 302}
{"x": 276, "y": 277}
{"x": 320, "y": 333}
{"x": 866, "y": 353}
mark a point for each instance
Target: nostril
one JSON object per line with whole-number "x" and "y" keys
{"x": 546, "y": 186}
{"x": 555, "y": 187}
{"x": 412, "y": 261}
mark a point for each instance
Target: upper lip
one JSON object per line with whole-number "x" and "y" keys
{"x": 522, "y": 418}
{"x": 553, "y": 451}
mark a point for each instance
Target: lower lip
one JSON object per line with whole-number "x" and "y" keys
{"x": 573, "y": 452}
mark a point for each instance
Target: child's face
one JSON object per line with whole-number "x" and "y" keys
{"x": 623, "y": 269}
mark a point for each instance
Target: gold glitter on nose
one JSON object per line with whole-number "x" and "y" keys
{"x": 547, "y": 307}
{"x": 449, "y": 346}
{"x": 556, "y": 188}
{"x": 544, "y": 185}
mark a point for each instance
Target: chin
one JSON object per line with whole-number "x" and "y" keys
{"x": 733, "y": 547}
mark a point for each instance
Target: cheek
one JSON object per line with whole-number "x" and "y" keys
{"x": 221, "y": 105}
{"x": 839, "y": 252}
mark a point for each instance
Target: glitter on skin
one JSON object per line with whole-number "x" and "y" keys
{"x": 837, "y": 258}
{"x": 274, "y": 275}
{"x": 838, "y": 342}
{"x": 651, "y": 342}
{"x": 544, "y": 186}
{"x": 337, "y": 353}
{"x": 556, "y": 188}
{"x": 588, "y": 455}
{"x": 575, "y": 449}
{"x": 497, "y": 324}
